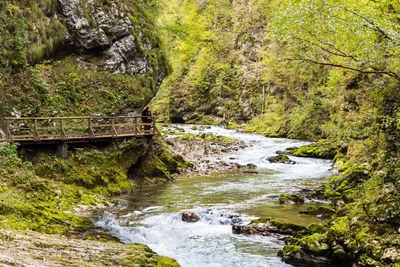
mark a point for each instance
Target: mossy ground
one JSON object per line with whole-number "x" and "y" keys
{"x": 43, "y": 194}
{"x": 55, "y": 195}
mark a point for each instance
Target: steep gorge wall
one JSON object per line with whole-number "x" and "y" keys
{"x": 215, "y": 48}
{"x": 78, "y": 57}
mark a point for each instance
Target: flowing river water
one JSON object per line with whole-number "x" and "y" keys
{"x": 152, "y": 216}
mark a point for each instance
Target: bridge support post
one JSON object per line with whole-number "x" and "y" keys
{"x": 9, "y": 136}
{"x": 36, "y": 136}
{"x": 62, "y": 150}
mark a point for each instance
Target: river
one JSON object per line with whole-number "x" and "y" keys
{"x": 152, "y": 216}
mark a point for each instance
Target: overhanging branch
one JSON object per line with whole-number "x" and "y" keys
{"x": 331, "y": 64}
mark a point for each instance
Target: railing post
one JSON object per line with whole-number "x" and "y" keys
{"x": 8, "y": 133}
{"x": 135, "y": 127}
{"x": 114, "y": 131}
{"x": 91, "y": 133}
{"x": 36, "y": 136}
{"x": 154, "y": 125}
{"x": 62, "y": 131}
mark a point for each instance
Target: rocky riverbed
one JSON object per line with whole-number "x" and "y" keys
{"x": 203, "y": 150}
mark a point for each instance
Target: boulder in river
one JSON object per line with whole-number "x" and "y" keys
{"x": 266, "y": 227}
{"x": 291, "y": 199}
{"x": 188, "y": 216}
{"x": 281, "y": 159}
{"x": 251, "y": 166}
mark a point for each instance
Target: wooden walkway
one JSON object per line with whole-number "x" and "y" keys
{"x": 56, "y": 130}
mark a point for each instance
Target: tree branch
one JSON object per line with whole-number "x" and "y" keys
{"x": 375, "y": 71}
{"x": 372, "y": 25}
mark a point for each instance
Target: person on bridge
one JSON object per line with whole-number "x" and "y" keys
{"x": 146, "y": 118}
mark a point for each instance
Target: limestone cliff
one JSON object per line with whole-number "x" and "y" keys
{"x": 79, "y": 57}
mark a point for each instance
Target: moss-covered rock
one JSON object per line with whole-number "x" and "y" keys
{"x": 322, "y": 211}
{"x": 281, "y": 159}
{"x": 267, "y": 226}
{"x": 291, "y": 199}
{"x": 321, "y": 149}
{"x": 158, "y": 163}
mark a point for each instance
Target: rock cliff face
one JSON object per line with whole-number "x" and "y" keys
{"x": 79, "y": 57}
{"x": 109, "y": 31}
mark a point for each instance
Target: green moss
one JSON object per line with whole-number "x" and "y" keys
{"x": 42, "y": 195}
{"x": 283, "y": 198}
{"x": 289, "y": 250}
{"x": 321, "y": 149}
{"x": 278, "y": 224}
{"x": 319, "y": 210}
{"x": 280, "y": 159}
{"x": 157, "y": 162}
{"x": 315, "y": 243}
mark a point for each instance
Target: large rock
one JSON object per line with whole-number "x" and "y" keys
{"x": 188, "y": 216}
{"x": 267, "y": 227}
{"x": 281, "y": 158}
{"x": 291, "y": 199}
{"x": 107, "y": 31}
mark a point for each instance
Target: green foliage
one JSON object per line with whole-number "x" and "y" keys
{"x": 354, "y": 35}
{"x": 208, "y": 44}
{"x": 63, "y": 88}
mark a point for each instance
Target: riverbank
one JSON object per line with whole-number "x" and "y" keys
{"x": 28, "y": 248}
{"x": 53, "y": 200}
{"x": 364, "y": 195}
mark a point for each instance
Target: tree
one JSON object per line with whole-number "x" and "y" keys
{"x": 355, "y": 35}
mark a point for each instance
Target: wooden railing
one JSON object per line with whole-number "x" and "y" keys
{"x": 72, "y": 129}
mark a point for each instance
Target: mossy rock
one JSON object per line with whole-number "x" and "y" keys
{"x": 322, "y": 149}
{"x": 291, "y": 199}
{"x": 281, "y": 159}
{"x": 158, "y": 162}
{"x": 323, "y": 211}
{"x": 277, "y": 226}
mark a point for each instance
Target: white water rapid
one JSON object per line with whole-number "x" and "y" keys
{"x": 152, "y": 216}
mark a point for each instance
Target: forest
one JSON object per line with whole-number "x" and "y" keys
{"x": 324, "y": 71}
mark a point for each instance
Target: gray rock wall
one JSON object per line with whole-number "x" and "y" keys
{"x": 108, "y": 32}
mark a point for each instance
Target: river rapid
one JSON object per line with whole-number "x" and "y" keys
{"x": 152, "y": 216}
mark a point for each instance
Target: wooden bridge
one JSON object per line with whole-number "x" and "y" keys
{"x": 69, "y": 130}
